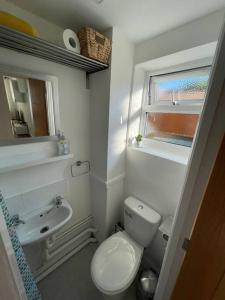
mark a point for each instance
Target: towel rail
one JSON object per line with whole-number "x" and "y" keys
{"x": 78, "y": 163}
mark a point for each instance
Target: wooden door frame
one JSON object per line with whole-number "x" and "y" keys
{"x": 202, "y": 273}
{"x": 206, "y": 146}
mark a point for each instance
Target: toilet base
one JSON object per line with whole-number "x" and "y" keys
{"x": 119, "y": 296}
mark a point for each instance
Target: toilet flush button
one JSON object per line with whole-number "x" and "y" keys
{"x": 140, "y": 206}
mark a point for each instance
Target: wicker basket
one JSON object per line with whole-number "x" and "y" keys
{"x": 94, "y": 45}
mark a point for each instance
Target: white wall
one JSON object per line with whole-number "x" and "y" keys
{"x": 74, "y": 106}
{"x": 155, "y": 180}
{"x": 110, "y": 94}
{"x": 202, "y": 31}
{"x": 47, "y": 30}
{"x": 120, "y": 87}
{"x": 99, "y": 95}
{"x": 99, "y": 106}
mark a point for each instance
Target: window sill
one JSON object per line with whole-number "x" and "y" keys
{"x": 182, "y": 109}
{"x": 176, "y": 153}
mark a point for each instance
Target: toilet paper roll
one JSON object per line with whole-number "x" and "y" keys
{"x": 71, "y": 40}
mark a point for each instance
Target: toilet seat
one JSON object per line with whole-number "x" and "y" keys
{"x": 115, "y": 263}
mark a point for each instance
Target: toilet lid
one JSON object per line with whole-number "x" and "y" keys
{"x": 115, "y": 263}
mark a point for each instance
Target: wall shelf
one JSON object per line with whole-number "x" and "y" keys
{"x": 21, "y": 42}
{"x": 7, "y": 167}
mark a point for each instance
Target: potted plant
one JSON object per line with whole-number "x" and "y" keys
{"x": 138, "y": 139}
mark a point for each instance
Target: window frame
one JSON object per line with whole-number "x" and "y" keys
{"x": 167, "y": 106}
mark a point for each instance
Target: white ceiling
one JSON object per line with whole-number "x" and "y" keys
{"x": 138, "y": 19}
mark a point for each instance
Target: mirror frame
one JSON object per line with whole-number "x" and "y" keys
{"x": 26, "y": 73}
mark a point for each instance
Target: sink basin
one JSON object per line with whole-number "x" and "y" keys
{"x": 43, "y": 222}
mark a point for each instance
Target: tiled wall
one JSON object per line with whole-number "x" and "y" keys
{"x": 26, "y": 202}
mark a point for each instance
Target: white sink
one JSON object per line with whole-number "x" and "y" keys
{"x": 43, "y": 222}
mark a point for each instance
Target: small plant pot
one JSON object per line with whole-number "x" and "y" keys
{"x": 139, "y": 144}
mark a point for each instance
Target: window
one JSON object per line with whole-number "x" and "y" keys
{"x": 174, "y": 104}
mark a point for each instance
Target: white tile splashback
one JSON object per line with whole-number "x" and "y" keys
{"x": 25, "y": 203}
{"x": 27, "y": 179}
{"x": 27, "y": 152}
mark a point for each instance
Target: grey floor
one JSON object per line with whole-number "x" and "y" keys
{"x": 72, "y": 280}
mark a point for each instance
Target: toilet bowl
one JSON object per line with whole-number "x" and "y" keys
{"x": 115, "y": 265}
{"x": 116, "y": 261}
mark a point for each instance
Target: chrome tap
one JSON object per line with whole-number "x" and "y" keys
{"x": 58, "y": 200}
{"x": 16, "y": 220}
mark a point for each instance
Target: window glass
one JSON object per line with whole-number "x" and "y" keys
{"x": 174, "y": 128}
{"x": 185, "y": 86}
{"x": 173, "y": 94}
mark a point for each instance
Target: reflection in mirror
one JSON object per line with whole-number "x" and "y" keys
{"x": 26, "y": 108}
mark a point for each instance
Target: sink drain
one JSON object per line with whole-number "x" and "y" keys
{"x": 44, "y": 229}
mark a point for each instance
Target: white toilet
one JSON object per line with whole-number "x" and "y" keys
{"x": 117, "y": 260}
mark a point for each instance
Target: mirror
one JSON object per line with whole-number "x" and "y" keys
{"x": 26, "y": 108}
